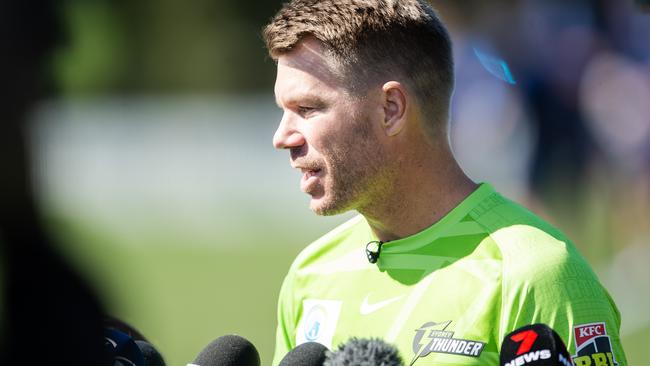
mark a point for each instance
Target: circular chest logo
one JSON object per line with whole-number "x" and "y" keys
{"x": 315, "y": 322}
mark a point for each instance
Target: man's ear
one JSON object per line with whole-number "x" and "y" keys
{"x": 395, "y": 103}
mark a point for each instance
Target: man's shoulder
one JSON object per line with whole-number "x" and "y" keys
{"x": 497, "y": 212}
{"x": 336, "y": 242}
{"x": 530, "y": 247}
{"x": 527, "y": 243}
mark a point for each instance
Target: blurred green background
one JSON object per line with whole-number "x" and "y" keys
{"x": 157, "y": 175}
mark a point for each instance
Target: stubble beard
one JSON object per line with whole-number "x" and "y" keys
{"x": 359, "y": 174}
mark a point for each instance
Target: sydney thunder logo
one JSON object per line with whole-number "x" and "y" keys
{"x": 433, "y": 337}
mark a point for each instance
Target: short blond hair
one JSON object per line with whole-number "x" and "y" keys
{"x": 373, "y": 40}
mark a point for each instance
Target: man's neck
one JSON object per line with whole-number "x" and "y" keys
{"x": 418, "y": 199}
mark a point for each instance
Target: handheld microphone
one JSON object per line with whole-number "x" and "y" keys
{"x": 364, "y": 352}
{"x": 306, "y": 354}
{"x": 151, "y": 355}
{"x": 121, "y": 350}
{"x": 228, "y": 350}
{"x": 535, "y": 345}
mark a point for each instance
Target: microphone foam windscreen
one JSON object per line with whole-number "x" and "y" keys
{"x": 306, "y": 354}
{"x": 228, "y": 350}
{"x": 364, "y": 352}
{"x": 534, "y": 345}
{"x": 151, "y": 355}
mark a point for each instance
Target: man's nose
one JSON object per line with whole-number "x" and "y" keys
{"x": 287, "y": 135}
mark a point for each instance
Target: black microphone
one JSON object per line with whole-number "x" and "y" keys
{"x": 121, "y": 350}
{"x": 228, "y": 350}
{"x": 306, "y": 354}
{"x": 364, "y": 352}
{"x": 151, "y": 355}
{"x": 373, "y": 250}
{"x": 535, "y": 345}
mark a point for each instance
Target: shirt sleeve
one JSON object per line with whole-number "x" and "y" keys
{"x": 285, "y": 332}
{"x": 547, "y": 281}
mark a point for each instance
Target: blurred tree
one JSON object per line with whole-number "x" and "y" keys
{"x": 165, "y": 46}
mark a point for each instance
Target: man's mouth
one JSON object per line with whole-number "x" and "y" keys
{"x": 309, "y": 178}
{"x": 310, "y": 172}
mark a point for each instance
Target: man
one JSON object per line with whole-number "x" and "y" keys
{"x": 437, "y": 265}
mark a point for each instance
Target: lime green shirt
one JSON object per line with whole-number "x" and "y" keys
{"x": 450, "y": 293}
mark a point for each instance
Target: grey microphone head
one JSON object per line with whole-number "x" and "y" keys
{"x": 228, "y": 350}
{"x": 364, "y": 352}
{"x": 306, "y": 354}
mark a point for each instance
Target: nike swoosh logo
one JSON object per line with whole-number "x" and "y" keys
{"x": 367, "y": 308}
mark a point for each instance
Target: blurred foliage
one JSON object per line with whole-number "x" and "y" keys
{"x": 164, "y": 46}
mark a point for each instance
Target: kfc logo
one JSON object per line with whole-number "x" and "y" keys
{"x": 593, "y": 346}
{"x": 586, "y": 332}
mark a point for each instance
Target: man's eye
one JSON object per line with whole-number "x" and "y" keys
{"x": 305, "y": 110}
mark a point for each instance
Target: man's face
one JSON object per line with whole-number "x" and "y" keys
{"x": 333, "y": 137}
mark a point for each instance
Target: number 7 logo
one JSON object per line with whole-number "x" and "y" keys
{"x": 527, "y": 338}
